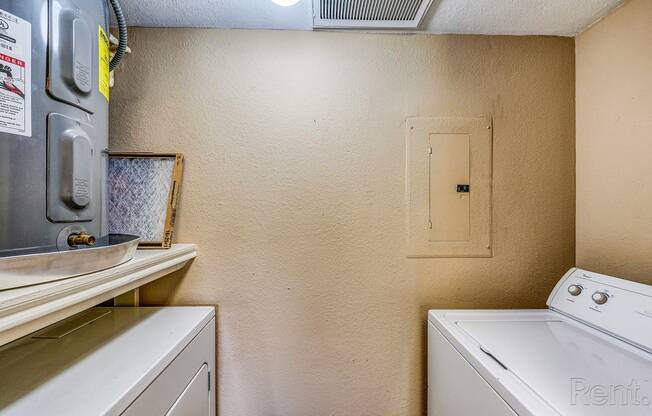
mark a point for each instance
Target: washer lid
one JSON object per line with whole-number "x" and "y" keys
{"x": 573, "y": 368}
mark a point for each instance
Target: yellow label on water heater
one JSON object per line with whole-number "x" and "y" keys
{"x": 105, "y": 58}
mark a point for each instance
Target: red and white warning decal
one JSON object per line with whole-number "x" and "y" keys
{"x": 15, "y": 75}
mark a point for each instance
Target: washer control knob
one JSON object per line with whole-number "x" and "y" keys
{"x": 575, "y": 290}
{"x": 600, "y": 298}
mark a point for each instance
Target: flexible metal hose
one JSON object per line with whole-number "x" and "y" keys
{"x": 123, "y": 38}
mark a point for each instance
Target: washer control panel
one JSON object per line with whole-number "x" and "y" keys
{"x": 617, "y": 306}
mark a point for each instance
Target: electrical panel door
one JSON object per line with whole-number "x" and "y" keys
{"x": 449, "y": 187}
{"x": 449, "y": 167}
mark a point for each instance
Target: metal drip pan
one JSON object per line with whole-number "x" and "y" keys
{"x": 32, "y": 269}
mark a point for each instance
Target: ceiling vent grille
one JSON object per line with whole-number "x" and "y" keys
{"x": 369, "y": 14}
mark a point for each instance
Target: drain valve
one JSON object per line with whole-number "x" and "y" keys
{"x": 81, "y": 239}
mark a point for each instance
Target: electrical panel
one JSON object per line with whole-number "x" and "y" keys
{"x": 449, "y": 166}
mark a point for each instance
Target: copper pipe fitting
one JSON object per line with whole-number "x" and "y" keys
{"x": 81, "y": 239}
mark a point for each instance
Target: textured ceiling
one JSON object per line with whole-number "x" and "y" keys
{"x": 500, "y": 17}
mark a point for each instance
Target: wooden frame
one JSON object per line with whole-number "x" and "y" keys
{"x": 172, "y": 197}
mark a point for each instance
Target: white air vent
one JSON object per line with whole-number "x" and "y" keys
{"x": 369, "y": 14}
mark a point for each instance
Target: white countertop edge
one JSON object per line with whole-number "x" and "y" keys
{"x": 28, "y": 309}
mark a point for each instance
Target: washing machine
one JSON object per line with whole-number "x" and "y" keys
{"x": 588, "y": 354}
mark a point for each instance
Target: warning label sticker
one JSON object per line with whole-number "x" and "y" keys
{"x": 15, "y": 75}
{"x": 105, "y": 58}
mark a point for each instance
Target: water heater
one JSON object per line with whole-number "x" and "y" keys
{"x": 54, "y": 109}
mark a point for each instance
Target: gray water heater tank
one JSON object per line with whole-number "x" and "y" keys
{"x": 54, "y": 108}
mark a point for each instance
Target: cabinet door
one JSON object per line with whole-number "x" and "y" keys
{"x": 195, "y": 399}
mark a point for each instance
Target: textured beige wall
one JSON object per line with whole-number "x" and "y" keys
{"x": 614, "y": 144}
{"x": 294, "y": 191}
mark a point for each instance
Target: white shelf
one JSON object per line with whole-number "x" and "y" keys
{"x": 28, "y": 309}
